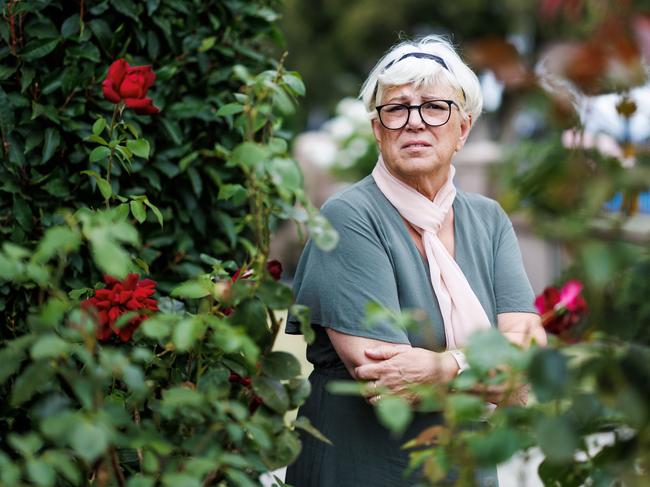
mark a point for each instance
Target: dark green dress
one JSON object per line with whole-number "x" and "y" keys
{"x": 377, "y": 260}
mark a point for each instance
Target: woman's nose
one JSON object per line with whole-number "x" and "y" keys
{"x": 415, "y": 120}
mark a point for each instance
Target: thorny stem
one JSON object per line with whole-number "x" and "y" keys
{"x": 10, "y": 16}
{"x": 275, "y": 329}
{"x": 116, "y": 110}
{"x": 138, "y": 451}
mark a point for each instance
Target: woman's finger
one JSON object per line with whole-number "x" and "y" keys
{"x": 384, "y": 352}
{"x": 368, "y": 371}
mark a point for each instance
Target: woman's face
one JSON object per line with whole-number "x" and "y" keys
{"x": 419, "y": 150}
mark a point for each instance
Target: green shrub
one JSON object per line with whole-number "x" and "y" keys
{"x": 187, "y": 196}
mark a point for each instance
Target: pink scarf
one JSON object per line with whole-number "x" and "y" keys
{"x": 461, "y": 310}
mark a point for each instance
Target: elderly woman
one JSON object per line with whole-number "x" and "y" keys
{"x": 409, "y": 240}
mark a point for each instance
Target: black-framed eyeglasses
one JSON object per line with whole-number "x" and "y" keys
{"x": 434, "y": 113}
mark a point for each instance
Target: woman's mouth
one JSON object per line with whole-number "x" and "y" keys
{"x": 416, "y": 144}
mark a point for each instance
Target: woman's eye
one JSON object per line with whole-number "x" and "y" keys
{"x": 434, "y": 106}
{"x": 396, "y": 108}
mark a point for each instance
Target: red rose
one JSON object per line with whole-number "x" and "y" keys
{"x": 562, "y": 309}
{"x": 117, "y": 298}
{"x": 275, "y": 269}
{"x": 130, "y": 84}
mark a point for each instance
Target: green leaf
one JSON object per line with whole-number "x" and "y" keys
{"x": 236, "y": 193}
{"x": 195, "y": 180}
{"x": 49, "y": 346}
{"x": 139, "y": 480}
{"x": 557, "y": 439}
{"x": 280, "y": 365}
{"x": 272, "y": 393}
{"x": 193, "y": 289}
{"x": 299, "y": 389}
{"x": 464, "y": 408}
{"x": 178, "y": 397}
{"x": 57, "y": 239}
{"x": 275, "y": 295}
{"x": 99, "y": 126}
{"x": 9, "y": 472}
{"x": 127, "y": 8}
{"x": 173, "y": 129}
{"x": 489, "y": 349}
{"x": 304, "y": 424}
{"x": 52, "y": 141}
{"x": 293, "y": 80}
{"x": 97, "y": 139}
{"x": 110, "y": 257}
{"x": 26, "y": 79}
{"x": 249, "y": 154}
{"x": 322, "y": 232}
{"x": 156, "y": 211}
{"x": 6, "y": 113}
{"x": 496, "y": 446}
{"x": 302, "y": 313}
{"x": 285, "y": 174}
{"x": 207, "y": 43}
{"x": 35, "y": 376}
{"x": 230, "y": 109}
{"x": 549, "y": 374}
{"x": 157, "y": 327}
{"x": 394, "y": 413}
{"x": 70, "y": 26}
{"x": 27, "y": 444}
{"x": 345, "y": 388}
{"x": 63, "y": 464}
{"x": 37, "y": 49}
{"x": 184, "y": 479}
{"x": 89, "y": 439}
{"x": 103, "y": 185}
{"x": 286, "y": 449}
{"x": 139, "y": 147}
{"x": 138, "y": 210}
{"x": 22, "y": 213}
{"x": 40, "y": 472}
{"x": 185, "y": 162}
{"x": 11, "y": 358}
{"x": 6, "y": 71}
{"x": 99, "y": 153}
{"x": 186, "y": 333}
{"x": 251, "y": 314}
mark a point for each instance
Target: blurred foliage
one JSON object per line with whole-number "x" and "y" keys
{"x": 335, "y": 43}
{"x": 188, "y": 196}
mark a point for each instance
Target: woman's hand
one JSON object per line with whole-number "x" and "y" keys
{"x": 522, "y": 328}
{"x": 398, "y": 368}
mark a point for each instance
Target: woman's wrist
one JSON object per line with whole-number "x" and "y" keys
{"x": 460, "y": 360}
{"x": 448, "y": 367}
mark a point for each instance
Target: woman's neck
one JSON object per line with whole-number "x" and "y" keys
{"x": 428, "y": 184}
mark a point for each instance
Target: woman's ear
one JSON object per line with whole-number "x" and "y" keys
{"x": 376, "y": 128}
{"x": 465, "y": 127}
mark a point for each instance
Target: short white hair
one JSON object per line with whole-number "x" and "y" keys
{"x": 394, "y": 70}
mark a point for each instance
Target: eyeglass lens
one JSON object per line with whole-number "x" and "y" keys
{"x": 395, "y": 116}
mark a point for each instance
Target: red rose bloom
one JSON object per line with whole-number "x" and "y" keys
{"x": 562, "y": 309}
{"x": 130, "y": 84}
{"x": 117, "y": 298}
{"x": 275, "y": 269}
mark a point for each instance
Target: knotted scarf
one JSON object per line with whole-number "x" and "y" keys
{"x": 461, "y": 310}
